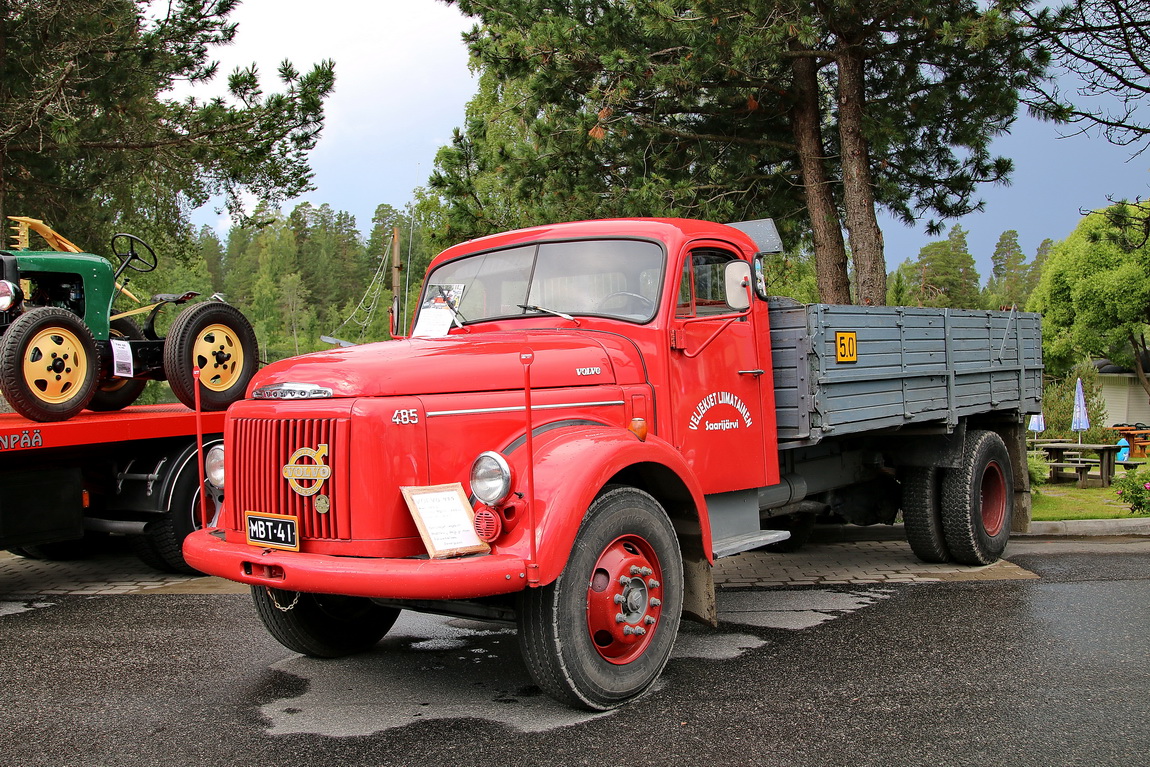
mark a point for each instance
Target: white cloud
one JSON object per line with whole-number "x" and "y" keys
{"x": 402, "y": 81}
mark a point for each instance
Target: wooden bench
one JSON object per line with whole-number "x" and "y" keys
{"x": 1080, "y": 468}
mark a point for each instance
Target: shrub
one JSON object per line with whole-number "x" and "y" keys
{"x": 1134, "y": 489}
{"x": 1038, "y": 468}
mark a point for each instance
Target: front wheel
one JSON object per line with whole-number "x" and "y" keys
{"x": 322, "y": 625}
{"x": 216, "y": 338}
{"x": 48, "y": 364}
{"x": 978, "y": 500}
{"x": 601, "y": 633}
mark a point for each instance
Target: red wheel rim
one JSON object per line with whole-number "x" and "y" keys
{"x": 993, "y": 502}
{"x": 624, "y": 599}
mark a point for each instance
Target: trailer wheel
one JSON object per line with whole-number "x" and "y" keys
{"x": 161, "y": 545}
{"x": 216, "y": 338}
{"x": 322, "y": 625}
{"x": 600, "y": 634}
{"x": 48, "y": 364}
{"x": 117, "y": 393}
{"x": 978, "y": 500}
{"x": 922, "y": 513}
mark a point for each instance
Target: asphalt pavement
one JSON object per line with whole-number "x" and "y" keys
{"x": 849, "y": 652}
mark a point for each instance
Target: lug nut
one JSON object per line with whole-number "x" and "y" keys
{"x": 654, "y": 584}
{"x": 619, "y": 618}
{"x": 619, "y": 599}
{"x": 649, "y": 620}
{"x": 635, "y": 570}
{"x": 624, "y": 580}
{"x": 655, "y": 602}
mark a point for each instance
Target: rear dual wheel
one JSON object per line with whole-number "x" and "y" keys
{"x": 962, "y": 514}
{"x": 602, "y": 632}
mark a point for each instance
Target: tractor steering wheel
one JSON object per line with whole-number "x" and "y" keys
{"x": 146, "y": 262}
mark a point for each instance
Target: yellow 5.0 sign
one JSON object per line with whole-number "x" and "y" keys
{"x": 846, "y": 346}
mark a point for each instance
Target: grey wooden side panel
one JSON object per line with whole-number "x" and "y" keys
{"x": 914, "y": 365}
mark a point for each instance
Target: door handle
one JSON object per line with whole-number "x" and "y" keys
{"x": 755, "y": 373}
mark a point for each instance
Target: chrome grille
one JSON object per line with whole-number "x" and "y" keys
{"x": 259, "y": 451}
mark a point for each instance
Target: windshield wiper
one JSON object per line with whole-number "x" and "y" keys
{"x": 456, "y": 316}
{"x": 545, "y": 310}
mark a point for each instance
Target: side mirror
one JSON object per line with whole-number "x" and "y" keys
{"x": 737, "y": 278}
{"x": 393, "y": 317}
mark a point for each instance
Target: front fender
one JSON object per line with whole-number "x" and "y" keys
{"x": 573, "y": 465}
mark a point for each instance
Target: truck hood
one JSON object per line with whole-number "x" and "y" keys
{"x": 463, "y": 363}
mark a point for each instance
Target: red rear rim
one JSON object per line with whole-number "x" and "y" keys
{"x": 624, "y": 599}
{"x": 993, "y": 499}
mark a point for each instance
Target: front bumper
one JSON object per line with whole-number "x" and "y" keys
{"x": 460, "y": 578}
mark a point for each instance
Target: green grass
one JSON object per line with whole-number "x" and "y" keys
{"x": 1054, "y": 503}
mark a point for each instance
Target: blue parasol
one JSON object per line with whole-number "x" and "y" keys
{"x": 1080, "y": 421}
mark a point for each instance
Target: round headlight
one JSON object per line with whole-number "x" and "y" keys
{"x": 491, "y": 478}
{"x": 214, "y": 466}
{"x": 9, "y": 295}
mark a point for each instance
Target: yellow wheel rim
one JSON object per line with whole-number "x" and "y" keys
{"x": 219, "y": 356}
{"x": 55, "y": 365}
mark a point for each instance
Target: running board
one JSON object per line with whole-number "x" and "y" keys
{"x": 740, "y": 543}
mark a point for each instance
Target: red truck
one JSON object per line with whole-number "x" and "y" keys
{"x": 131, "y": 472}
{"x": 586, "y": 417}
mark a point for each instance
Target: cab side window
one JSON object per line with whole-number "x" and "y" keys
{"x": 702, "y": 289}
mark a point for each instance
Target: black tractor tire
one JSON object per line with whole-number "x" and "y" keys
{"x": 322, "y": 625}
{"x": 216, "y": 338}
{"x": 48, "y": 364}
{"x": 978, "y": 500}
{"x": 117, "y": 393}
{"x": 575, "y": 646}
{"x": 922, "y": 512}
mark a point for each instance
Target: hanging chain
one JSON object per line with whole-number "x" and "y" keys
{"x": 275, "y": 601}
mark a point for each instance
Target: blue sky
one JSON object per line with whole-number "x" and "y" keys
{"x": 402, "y": 81}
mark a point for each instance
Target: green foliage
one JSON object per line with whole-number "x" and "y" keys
{"x": 92, "y": 142}
{"x": 1094, "y": 296}
{"x": 604, "y": 108}
{"x": 1058, "y": 405}
{"x": 1133, "y": 488}
{"x": 1038, "y": 468}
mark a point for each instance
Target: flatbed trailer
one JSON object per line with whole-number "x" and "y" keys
{"x": 132, "y": 472}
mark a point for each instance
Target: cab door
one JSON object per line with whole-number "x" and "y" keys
{"x": 716, "y": 379}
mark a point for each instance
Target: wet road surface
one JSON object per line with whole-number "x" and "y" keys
{"x": 1047, "y": 664}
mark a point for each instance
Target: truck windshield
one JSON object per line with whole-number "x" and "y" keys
{"x": 609, "y": 278}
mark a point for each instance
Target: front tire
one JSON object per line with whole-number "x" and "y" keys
{"x": 322, "y": 625}
{"x": 216, "y": 338}
{"x": 978, "y": 500}
{"x": 602, "y": 632}
{"x": 48, "y": 364}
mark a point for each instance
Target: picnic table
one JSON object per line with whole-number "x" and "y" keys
{"x": 1139, "y": 439}
{"x": 1068, "y": 455}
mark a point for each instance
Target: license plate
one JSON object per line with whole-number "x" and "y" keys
{"x": 273, "y": 530}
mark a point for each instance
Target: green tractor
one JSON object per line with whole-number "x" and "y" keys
{"x": 62, "y": 349}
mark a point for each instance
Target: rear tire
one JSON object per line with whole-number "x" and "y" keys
{"x": 322, "y": 625}
{"x": 582, "y": 646}
{"x": 922, "y": 513}
{"x": 117, "y": 393}
{"x": 216, "y": 338}
{"x": 978, "y": 500}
